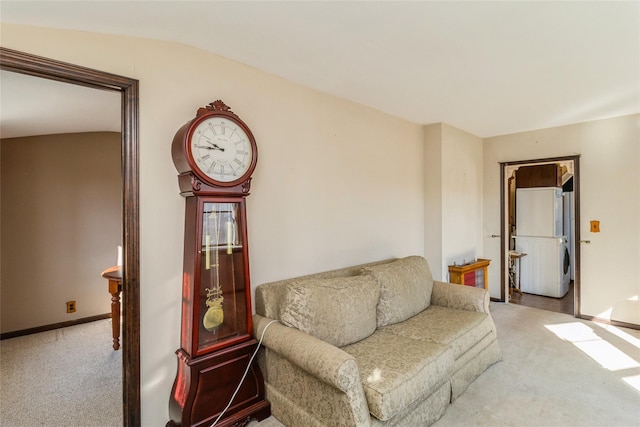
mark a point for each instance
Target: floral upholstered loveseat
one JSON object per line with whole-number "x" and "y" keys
{"x": 379, "y": 344}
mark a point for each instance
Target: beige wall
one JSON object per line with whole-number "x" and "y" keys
{"x": 433, "y": 214}
{"x": 336, "y": 183}
{"x": 453, "y": 198}
{"x": 610, "y": 192}
{"x": 60, "y": 226}
{"x": 462, "y": 196}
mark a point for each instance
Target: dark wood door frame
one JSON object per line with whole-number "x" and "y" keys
{"x": 505, "y": 232}
{"x": 24, "y": 63}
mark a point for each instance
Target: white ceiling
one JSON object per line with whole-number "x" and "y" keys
{"x": 32, "y": 106}
{"x": 489, "y": 68}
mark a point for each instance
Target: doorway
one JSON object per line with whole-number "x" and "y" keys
{"x": 512, "y": 254}
{"x": 20, "y": 62}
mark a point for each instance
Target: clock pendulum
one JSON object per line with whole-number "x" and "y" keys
{"x": 214, "y": 316}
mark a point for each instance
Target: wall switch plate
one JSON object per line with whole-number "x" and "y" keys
{"x": 595, "y": 226}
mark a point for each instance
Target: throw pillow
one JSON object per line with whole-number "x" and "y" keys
{"x": 405, "y": 288}
{"x": 340, "y": 310}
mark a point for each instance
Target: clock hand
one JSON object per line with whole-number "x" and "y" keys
{"x": 214, "y": 147}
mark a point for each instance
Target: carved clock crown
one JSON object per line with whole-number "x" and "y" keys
{"x": 217, "y": 105}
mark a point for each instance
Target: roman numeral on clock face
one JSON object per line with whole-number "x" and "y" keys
{"x": 221, "y": 149}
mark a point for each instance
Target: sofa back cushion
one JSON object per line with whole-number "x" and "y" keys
{"x": 340, "y": 310}
{"x": 405, "y": 288}
{"x": 269, "y": 297}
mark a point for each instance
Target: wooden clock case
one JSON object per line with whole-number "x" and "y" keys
{"x": 211, "y": 364}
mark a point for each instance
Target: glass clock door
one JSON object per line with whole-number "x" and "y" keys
{"x": 223, "y": 309}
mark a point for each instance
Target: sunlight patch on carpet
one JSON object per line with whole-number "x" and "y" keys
{"x": 620, "y": 334}
{"x": 603, "y": 352}
{"x": 633, "y": 381}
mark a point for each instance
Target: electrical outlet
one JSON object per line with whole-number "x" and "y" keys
{"x": 71, "y": 306}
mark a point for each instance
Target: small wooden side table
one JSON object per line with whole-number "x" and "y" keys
{"x": 114, "y": 276}
{"x": 457, "y": 273}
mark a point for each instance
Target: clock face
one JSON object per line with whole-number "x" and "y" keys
{"x": 221, "y": 149}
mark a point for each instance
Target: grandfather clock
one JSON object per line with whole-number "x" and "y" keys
{"x": 215, "y": 155}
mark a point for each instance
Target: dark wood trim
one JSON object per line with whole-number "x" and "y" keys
{"x": 20, "y": 62}
{"x": 38, "y": 66}
{"x": 503, "y": 252}
{"x": 131, "y": 257}
{"x": 576, "y": 191}
{"x": 53, "y": 326}
{"x": 610, "y": 322}
{"x": 577, "y": 302}
{"x": 536, "y": 161}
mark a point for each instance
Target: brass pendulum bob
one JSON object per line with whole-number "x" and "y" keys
{"x": 214, "y": 315}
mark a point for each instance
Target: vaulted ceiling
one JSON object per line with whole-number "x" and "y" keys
{"x": 489, "y": 68}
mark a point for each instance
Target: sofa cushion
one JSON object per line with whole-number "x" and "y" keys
{"x": 458, "y": 329}
{"x": 405, "y": 288}
{"x": 397, "y": 371}
{"x": 339, "y": 310}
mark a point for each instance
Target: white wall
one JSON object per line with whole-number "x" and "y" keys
{"x": 610, "y": 192}
{"x": 336, "y": 183}
{"x": 61, "y": 220}
{"x": 453, "y": 198}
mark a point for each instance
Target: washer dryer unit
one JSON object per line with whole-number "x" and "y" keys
{"x": 546, "y": 268}
{"x": 566, "y": 264}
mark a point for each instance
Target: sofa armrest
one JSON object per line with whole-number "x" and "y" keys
{"x": 319, "y": 358}
{"x": 460, "y": 297}
{"x": 343, "y": 400}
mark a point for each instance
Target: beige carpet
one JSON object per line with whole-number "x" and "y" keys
{"x": 65, "y": 377}
{"x": 552, "y": 374}
{"x": 557, "y": 371}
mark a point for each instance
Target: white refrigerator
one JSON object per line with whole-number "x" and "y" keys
{"x": 539, "y": 212}
{"x": 539, "y": 226}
